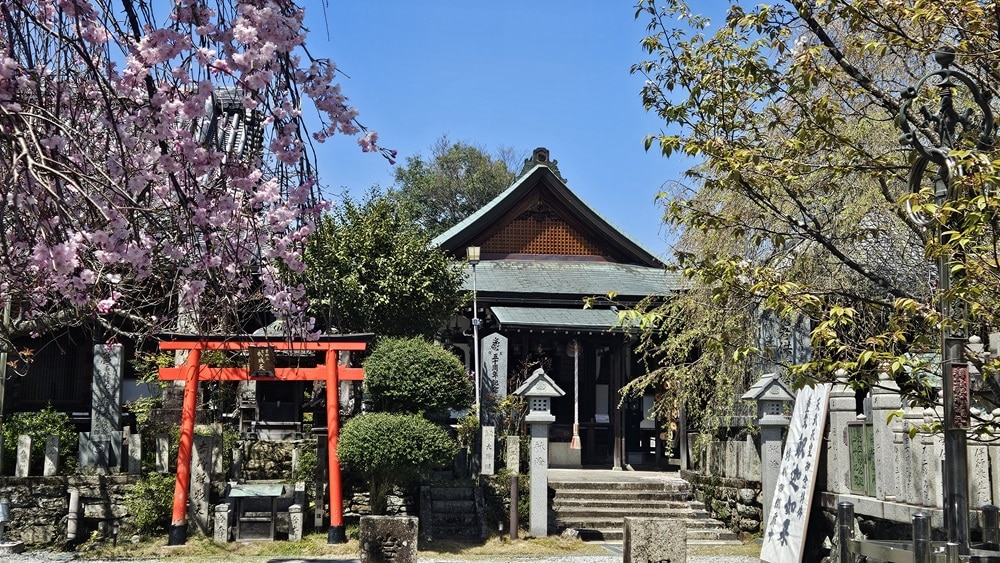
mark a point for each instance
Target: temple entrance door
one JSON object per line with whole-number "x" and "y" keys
{"x": 596, "y": 406}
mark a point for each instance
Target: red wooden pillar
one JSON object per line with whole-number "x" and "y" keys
{"x": 178, "y": 523}
{"x": 336, "y": 532}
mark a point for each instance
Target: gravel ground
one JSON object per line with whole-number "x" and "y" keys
{"x": 50, "y": 557}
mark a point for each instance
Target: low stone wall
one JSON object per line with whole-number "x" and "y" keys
{"x": 737, "y": 502}
{"x": 40, "y": 505}
{"x": 398, "y": 503}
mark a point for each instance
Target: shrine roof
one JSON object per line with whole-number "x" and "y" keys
{"x": 571, "y": 278}
{"x": 555, "y": 318}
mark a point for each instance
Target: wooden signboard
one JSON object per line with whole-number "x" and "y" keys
{"x": 785, "y": 533}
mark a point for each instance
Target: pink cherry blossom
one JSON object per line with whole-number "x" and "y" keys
{"x": 158, "y": 162}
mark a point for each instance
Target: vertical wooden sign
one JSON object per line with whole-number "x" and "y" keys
{"x": 785, "y": 533}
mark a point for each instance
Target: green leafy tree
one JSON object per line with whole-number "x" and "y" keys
{"x": 797, "y": 203}
{"x": 391, "y": 450}
{"x": 412, "y": 375}
{"x": 457, "y": 180}
{"x": 369, "y": 269}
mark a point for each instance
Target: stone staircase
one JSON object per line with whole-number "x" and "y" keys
{"x": 451, "y": 512}
{"x": 596, "y": 509}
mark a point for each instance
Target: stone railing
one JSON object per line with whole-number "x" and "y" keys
{"x": 726, "y": 477}
{"x": 874, "y": 463}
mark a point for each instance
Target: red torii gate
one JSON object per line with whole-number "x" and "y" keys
{"x": 191, "y": 373}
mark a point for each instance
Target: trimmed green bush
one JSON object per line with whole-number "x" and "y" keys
{"x": 411, "y": 375}
{"x": 391, "y": 450}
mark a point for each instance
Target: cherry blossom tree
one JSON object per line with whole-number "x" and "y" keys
{"x": 157, "y": 162}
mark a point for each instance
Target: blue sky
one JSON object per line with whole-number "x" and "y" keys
{"x": 519, "y": 73}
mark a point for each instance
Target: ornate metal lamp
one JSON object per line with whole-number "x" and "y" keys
{"x": 933, "y": 137}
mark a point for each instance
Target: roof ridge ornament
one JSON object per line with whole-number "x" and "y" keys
{"x": 540, "y": 156}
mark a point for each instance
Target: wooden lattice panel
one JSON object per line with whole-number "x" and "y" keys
{"x": 531, "y": 235}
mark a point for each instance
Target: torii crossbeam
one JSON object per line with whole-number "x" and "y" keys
{"x": 192, "y": 373}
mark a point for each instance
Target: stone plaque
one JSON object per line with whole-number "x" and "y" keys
{"x": 106, "y": 391}
{"x": 162, "y": 453}
{"x": 858, "y": 458}
{"x": 220, "y": 530}
{"x": 134, "y": 454}
{"x": 657, "y": 540}
{"x": 96, "y": 453}
{"x": 489, "y": 450}
{"x": 200, "y": 485}
{"x": 513, "y": 460}
{"x": 51, "y": 466}
{"x": 494, "y": 368}
{"x": 960, "y": 413}
{"x": 23, "y": 465}
{"x": 295, "y": 522}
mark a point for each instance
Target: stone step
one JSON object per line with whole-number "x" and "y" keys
{"x": 578, "y": 512}
{"x": 453, "y": 513}
{"x": 619, "y": 494}
{"x": 454, "y": 507}
{"x": 452, "y": 494}
{"x": 605, "y": 522}
{"x": 645, "y": 486}
{"x": 453, "y": 520}
{"x": 560, "y": 503}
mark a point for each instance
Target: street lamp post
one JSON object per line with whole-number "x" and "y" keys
{"x": 472, "y": 254}
{"x": 954, "y": 369}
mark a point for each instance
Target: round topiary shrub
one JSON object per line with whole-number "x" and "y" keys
{"x": 391, "y": 450}
{"x": 411, "y": 375}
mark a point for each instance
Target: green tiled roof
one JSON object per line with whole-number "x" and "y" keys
{"x": 554, "y": 318}
{"x": 571, "y": 278}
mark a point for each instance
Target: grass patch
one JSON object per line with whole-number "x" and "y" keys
{"x": 749, "y": 548}
{"x": 200, "y": 548}
{"x": 503, "y": 545}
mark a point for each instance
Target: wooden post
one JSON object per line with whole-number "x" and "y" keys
{"x": 336, "y": 532}
{"x": 178, "y": 523}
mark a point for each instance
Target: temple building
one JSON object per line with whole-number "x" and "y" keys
{"x": 542, "y": 252}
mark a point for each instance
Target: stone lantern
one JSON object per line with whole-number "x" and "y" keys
{"x": 539, "y": 389}
{"x": 773, "y": 403}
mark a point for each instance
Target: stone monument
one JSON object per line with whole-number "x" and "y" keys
{"x": 388, "y": 539}
{"x": 106, "y": 407}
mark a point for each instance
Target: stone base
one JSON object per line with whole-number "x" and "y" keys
{"x": 388, "y": 539}
{"x": 654, "y": 539}
{"x": 9, "y": 548}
